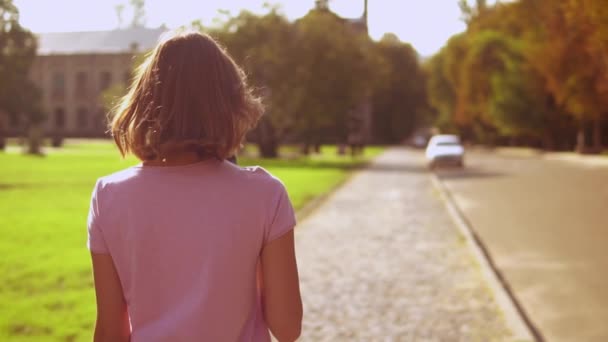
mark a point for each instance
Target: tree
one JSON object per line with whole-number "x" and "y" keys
{"x": 139, "y": 13}
{"x": 531, "y": 68}
{"x": 334, "y": 72}
{"x": 309, "y": 73}
{"x": 262, "y": 45}
{"x": 469, "y": 12}
{"x": 518, "y": 105}
{"x": 119, "y": 9}
{"x": 569, "y": 54}
{"x": 441, "y": 94}
{"x": 399, "y": 100}
{"x": 446, "y": 87}
{"x": 18, "y": 95}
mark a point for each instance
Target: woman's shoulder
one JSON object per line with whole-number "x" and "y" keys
{"x": 113, "y": 182}
{"x": 118, "y": 176}
{"x": 259, "y": 176}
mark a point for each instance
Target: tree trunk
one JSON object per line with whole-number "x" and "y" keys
{"x": 57, "y": 140}
{"x": 317, "y": 148}
{"x": 597, "y": 135}
{"x": 2, "y": 140}
{"x": 580, "y": 139}
{"x": 305, "y": 149}
{"x": 2, "y": 133}
{"x": 34, "y": 140}
{"x": 268, "y": 144}
{"x": 268, "y": 148}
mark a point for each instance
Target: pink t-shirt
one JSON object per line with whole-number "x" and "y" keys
{"x": 186, "y": 241}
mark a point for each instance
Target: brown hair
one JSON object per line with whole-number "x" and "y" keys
{"x": 188, "y": 95}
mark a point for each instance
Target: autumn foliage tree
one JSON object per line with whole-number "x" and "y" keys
{"x": 571, "y": 57}
{"x": 527, "y": 69}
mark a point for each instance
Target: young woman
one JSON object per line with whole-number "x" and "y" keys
{"x": 187, "y": 246}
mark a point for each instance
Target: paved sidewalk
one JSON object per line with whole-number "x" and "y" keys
{"x": 381, "y": 260}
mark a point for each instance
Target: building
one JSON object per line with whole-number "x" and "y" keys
{"x": 73, "y": 69}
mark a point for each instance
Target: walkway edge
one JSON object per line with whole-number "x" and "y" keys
{"x": 515, "y": 317}
{"x": 317, "y": 202}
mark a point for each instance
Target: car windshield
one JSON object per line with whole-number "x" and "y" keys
{"x": 448, "y": 143}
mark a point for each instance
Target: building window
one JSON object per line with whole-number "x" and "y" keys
{"x": 58, "y": 86}
{"x": 105, "y": 80}
{"x": 81, "y": 84}
{"x": 59, "y": 118}
{"x": 83, "y": 117}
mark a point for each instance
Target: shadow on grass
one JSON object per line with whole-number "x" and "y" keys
{"x": 5, "y": 186}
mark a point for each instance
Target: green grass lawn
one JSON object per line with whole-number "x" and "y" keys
{"x": 46, "y": 289}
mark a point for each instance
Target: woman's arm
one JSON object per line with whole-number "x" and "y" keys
{"x": 281, "y": 288}
{"x": 112, "y": 323}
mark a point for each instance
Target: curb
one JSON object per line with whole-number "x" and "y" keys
{"x": 516, "y": 318}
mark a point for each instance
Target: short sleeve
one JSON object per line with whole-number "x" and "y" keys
{"x": 283, "y": 218}
{"x": 95, "y": 242}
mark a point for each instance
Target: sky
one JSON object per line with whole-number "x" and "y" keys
{"x": 426, "y": 24}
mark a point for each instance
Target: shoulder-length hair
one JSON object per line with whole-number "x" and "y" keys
{"x": 188, "y": 95}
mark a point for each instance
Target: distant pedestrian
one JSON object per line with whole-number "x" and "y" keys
{"x": 187, "y": 246}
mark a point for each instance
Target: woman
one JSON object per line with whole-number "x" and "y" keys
{"x": 187, "y": 246}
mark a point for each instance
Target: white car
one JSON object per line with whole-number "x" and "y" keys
{"x": 445, "y": 149}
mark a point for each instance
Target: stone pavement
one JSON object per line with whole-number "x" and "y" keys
{"x": 381, "y": 260}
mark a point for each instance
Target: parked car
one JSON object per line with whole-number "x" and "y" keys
{"x": 445, "y": 149}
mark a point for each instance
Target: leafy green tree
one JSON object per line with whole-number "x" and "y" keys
{"x": 446, "y": 88}
{"x": 263, "y": 46}
{"x": 399, "y": 99}
{"x": 455, "y": 52}
{"x": 518, "y": 105}
{"x": 18, "y": 95}
{"x": 441, "y": 94}
{"x": 309, "y": 73}
{"x": 334, "y": 72}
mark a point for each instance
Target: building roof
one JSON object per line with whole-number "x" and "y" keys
{"x": 115, "y": 41}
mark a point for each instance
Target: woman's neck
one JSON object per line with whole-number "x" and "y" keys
{"x": 180, "y": 159}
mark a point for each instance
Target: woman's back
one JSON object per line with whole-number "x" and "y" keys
{"x": 186, "y": 241}
{"x": 186, "y": 246}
